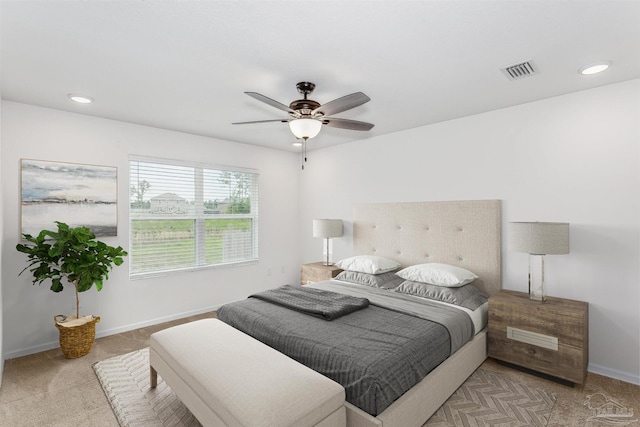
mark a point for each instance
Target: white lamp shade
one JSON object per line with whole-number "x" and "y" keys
{"x": 305, "y": 128}
{"x": 539, "y": 238}
{"x": 327, "y": 228}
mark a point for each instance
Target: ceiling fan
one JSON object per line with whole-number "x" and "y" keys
{"x": 308, "y": 116}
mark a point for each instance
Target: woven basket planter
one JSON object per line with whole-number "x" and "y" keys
{"x": 76, "y": 341}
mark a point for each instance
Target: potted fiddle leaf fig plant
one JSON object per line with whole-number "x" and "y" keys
{"x": 74, "y": 255}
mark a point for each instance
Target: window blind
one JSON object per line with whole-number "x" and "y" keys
{"x": 190, "y": 216}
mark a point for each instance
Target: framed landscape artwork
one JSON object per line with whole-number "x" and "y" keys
{"x": 73, "y": 193}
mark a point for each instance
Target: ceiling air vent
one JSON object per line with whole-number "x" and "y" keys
{"x": 519, "y": 71}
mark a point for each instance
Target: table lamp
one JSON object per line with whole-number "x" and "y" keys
{"x": 327, "y": 228}
{"x": 538, "y": 239}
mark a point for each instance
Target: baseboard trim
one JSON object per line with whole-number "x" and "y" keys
{"x": 105, "y": 333}
{"x": 614, "y": 373}
{"x": 156, "y": 321}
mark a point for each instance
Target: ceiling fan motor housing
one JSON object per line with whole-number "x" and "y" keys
{"x": 304, "y": 106}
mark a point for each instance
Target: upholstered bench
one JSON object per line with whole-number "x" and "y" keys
{"x": 227, "y": 378}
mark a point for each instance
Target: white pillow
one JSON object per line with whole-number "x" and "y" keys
{"x": 438, "y": 274}
{"x": 370, "y": 264}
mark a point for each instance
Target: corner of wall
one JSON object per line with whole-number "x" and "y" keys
{"x": 1, "y": 239}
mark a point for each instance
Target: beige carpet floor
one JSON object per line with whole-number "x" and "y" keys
{"x": 45, "y": 389}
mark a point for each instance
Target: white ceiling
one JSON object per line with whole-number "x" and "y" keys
{"x": 184, "y": 65}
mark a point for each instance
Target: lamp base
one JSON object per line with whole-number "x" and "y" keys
{"x": 537, "y": 291}
{"x": 328, "y": 260}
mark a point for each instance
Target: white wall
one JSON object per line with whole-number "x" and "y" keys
{"x": 573, "y": 158}
{"x": 46, "y": 134}
{"x": 1, "y": 311}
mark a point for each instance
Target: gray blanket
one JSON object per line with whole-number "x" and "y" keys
{"x": 458, "y": 323}
{"x": 316, "y": 302}
{"x": 376, "y": 354}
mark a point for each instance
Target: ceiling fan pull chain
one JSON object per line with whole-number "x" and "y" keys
{"x": 304, "y": 152}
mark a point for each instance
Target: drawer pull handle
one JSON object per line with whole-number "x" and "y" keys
{"x": 533, "y": 338}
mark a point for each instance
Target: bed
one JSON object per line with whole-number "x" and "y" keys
{"x": 460, "y": 233}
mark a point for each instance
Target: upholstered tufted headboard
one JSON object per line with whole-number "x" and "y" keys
{"x": 462, "y": 233}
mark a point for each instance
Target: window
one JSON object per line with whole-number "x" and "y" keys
{"x": 190, "y": 216}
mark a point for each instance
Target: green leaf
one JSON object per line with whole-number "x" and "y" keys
{"x": 70, "y": 253}
{"x": 56, "y": 285}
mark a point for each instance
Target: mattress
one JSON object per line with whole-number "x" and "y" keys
{"x": 376, "y": 353}
{"x": 479, "y": 316}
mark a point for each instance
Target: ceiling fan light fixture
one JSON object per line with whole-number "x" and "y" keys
{"x": 305, "y": 128}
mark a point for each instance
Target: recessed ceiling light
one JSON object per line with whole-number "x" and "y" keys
{"x": 81, "y": 99}
{"x": 596, "y": 67}
{"x": 297, "y": 144}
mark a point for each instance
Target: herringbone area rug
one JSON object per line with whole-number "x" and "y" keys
{"x": 125, "y": 381}
{"x": 490, "y": 399}
{"x": 485, "y": 399}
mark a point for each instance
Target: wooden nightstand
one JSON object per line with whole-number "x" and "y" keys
{"x": 550, "y": 337}
{"x": 317, "y": 272}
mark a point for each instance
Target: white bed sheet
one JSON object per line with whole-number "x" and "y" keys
{"x": 478, "y": 316}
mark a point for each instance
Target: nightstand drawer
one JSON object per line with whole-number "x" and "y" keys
{"x": 566, "y": 362}
{"x": 535, "y": 328}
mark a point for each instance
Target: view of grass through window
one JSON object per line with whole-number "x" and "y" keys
{"x": 185, "y": 217}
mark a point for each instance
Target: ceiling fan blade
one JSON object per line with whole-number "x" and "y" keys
{"x": 261, "y": 121}
{"x": 270, "y": 101}
{"x": 347, "y": 124}
{"x": 342, "y": 104}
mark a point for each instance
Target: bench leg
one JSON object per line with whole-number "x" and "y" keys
{"x": 154, "y": 377}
